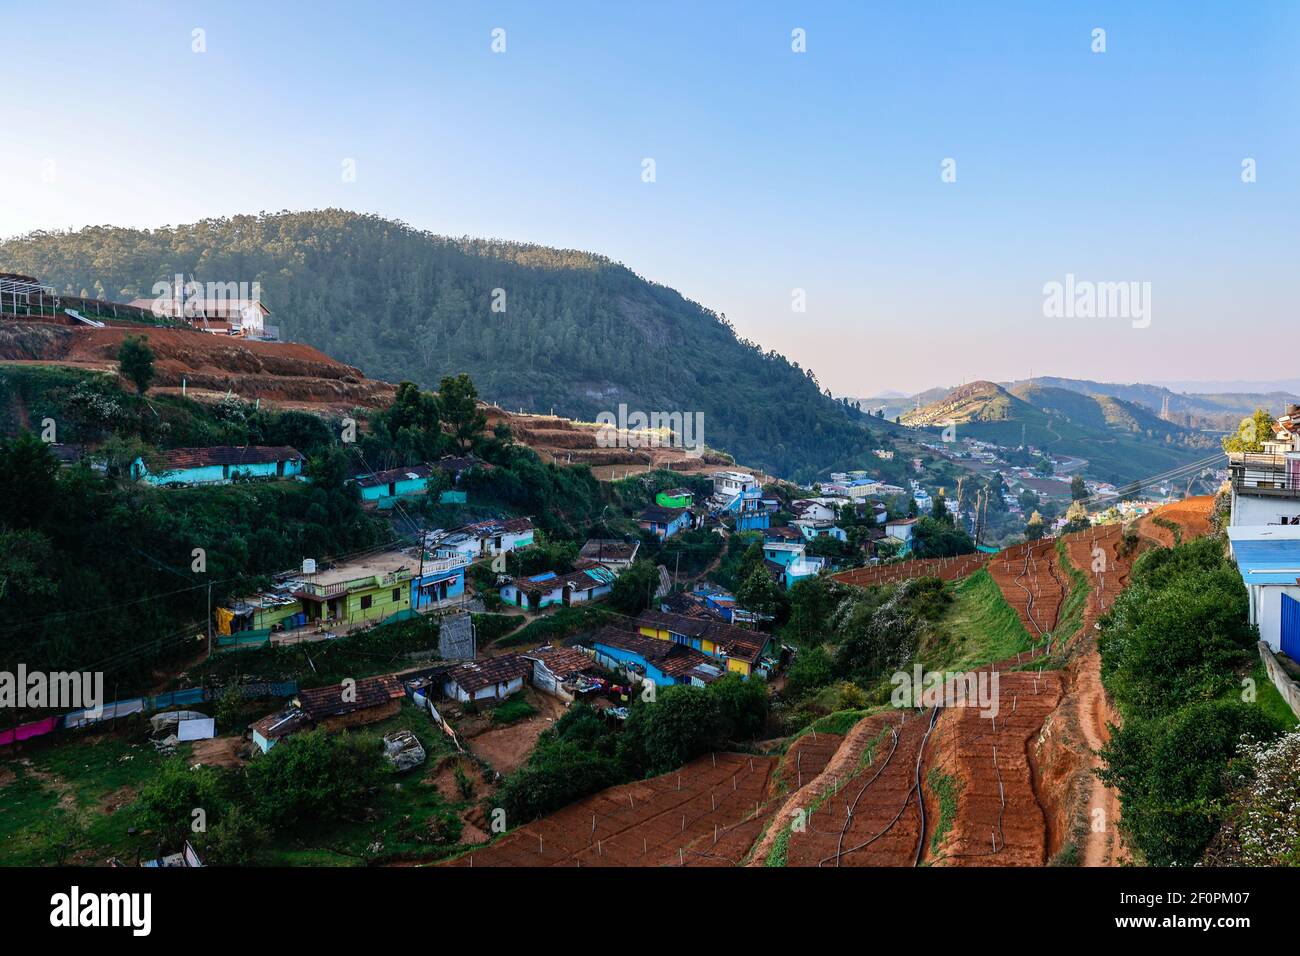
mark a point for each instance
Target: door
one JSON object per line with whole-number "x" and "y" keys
{"x": 1291, "y": 627}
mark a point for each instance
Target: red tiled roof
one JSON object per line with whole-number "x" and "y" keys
{"x": 475, "y": 675}
{"x": 320, "y": 702}
{"x": 394, "y": 474}
{"x": 179, "y": 458}
{"x": 561, "y": 661}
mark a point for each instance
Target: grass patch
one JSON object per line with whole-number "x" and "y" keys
{"x": 1271, "y": 701}
{"x": 978, "y": 628}
{"x": 1076, "y": 601}
{"x": 945, "y": 787}
{"x": 512, "y": 709}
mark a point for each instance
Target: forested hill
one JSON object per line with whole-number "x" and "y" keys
{"x": 579, "y": 333}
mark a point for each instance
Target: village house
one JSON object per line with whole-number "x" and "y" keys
{"x": 740, "y": 649}
{"x": 336, "y": 707}
{"x": 1266, "y": 485}
{"x": 812, "y": 511}
{"x": 383, "y": 489}
{"x": 219, "y": 315}
{"x": 1268, "y": 560}
{"x": 258, "y": 615}
{"x": 663, "y": 663}
{"x": 675, "y": 498}
{"x": 611, "y": 552}
{"x": 220, "y": 465}
{"x": 439, "y": 581}
{"x": 558, "y": 671}
{"x": 900, "y": 529}
{"x": 487, "y": 681}
{"x": 664, "y": 523}
{"x": 487, "y": 538}
{"x": 548, "y": 589}
{"x": 367, "y": 589}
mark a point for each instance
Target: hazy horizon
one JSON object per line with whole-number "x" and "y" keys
{"x": 775, "y": 170}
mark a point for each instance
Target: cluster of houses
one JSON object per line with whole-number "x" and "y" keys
{"x": 370, "y": 588}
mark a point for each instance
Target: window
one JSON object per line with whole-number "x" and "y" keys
{"x": 366, "y": 601}
{"x": 397, "y": 595}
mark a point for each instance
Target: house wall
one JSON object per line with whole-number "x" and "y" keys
{"x": 455, "y": 587}
{"x": 220, "y": 474}
{"x": 382, "y": 603}
{"x": 1257, "y": 509}
{"x": 615, "y": 657}
{"x": 1266, "y": 610}
{"x": 265, "y": 617}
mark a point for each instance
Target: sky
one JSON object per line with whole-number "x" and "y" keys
{"x": 887, "y": 207}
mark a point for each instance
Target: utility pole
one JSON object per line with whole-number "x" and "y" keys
{"x": 209, "y": 619}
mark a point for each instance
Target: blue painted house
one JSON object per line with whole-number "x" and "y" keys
{"x": 221, "y": 464}
{"x": 664, "y": 522}
{"x": 441, "y": 581}
{"x": 663, "y": 662}
{"x": 385, "y": 488}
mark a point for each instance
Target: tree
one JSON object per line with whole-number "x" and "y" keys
{"x": 1076, "y": 518}
{"x": 458, "y": 400}
{"x": 634, "y": 589}
{"x": 760, "y": 594}
{"x": 135, "y": 360}
{"x": 939, "y": 510}
{"x": 939, "y": 539}
{"x": 1170, "y": 775}
{"x": 1078, "y": 490}
{"x": 809, "y": 671}
{"x": 166, "y": 803}
{"x": 1034, "y": 527}
{"x": 28, "y": 477}
{"x": 313, "y": 778}
{"x": 1250, "y": 433}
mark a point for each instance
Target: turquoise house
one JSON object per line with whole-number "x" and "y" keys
{"x": 385, "y": 488}
{"x": 221, "y": 464}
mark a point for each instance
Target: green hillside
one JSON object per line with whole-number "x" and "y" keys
{"x": 580, "y": 333}
{"x": 1122, "y": 441}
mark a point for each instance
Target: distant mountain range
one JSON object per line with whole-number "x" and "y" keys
{"x": 1123, "y": 440}
{"x": 1215, "y": 406}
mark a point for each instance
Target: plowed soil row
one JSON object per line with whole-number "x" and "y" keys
{"x": 999, "y": 820}
{"x": 866, "y": 813}
{"x": 946, "y": 569}
{"x": 655, "y": 822}
{"x": 1033, "y": 583}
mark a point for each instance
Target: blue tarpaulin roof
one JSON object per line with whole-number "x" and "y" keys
{"x": 1268, "y": 561}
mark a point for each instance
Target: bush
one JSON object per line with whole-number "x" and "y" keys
{"x": 313, "y": 778}
{"x": 167, "y": 803}
{"x": 1171, "y": 775}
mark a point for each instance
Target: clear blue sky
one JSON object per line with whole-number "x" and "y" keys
{"x": 775, "y": 170}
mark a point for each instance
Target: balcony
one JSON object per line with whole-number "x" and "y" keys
{"x": 1255, "y": 473}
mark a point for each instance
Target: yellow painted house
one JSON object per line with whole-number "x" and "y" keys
{"x": 739, "y": 647}
{"x": 367, "y": 590}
